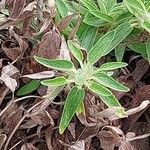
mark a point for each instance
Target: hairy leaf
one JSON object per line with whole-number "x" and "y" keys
{"x": 99, "y": 89}
{"x": 75, "y": 51}
{"x": 100, "y": 47}
{"x": 73, "y": 101}
{"x": 112, "y": 66}
{"x": 108, "y": 81}
{"x": 55, "y": 64}
{"x": 58, "y": 81}
{"x": 101, "y": 15}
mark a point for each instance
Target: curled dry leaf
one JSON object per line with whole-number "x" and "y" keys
{"x": 79, "y": 145}
{"x": 3, "y": 138}
{"x": 141, "y": 107}
{"x": 41, "y": 75}
{"x": 7, "y": 73}
{"x": 49, "y": 45}
{"x": 64, "y": 51}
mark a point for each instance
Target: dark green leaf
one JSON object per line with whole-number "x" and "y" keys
{"x": 73, "y": 101}
{"x": 28, "y": 88}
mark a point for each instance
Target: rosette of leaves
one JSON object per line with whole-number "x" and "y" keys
{"x": 87, "y": 76}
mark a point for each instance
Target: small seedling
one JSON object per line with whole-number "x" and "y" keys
{"x": 87, "y": 76}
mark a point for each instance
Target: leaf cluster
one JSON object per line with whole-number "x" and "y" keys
{"x": 86, "y": 76}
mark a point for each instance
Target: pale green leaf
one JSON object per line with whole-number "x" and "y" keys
{"x": 63, "y": 65}
{"x": 58, "y": 81}
{"x": 77, "y": 53}
{"x": 28, "y": 88}
{"x": 100, "y": 47}
{"x": 105, "y": 80}
{"x": 74, "y": 99}
{"x": 99, "y": 89}
{"x": 80, "y": 109}
{"x": 112, "y": 66}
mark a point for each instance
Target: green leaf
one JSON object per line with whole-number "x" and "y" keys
{"x": 119, "y": 52}
{"x": 62, "y": 8}
{"x": 58, "y": 81}
{"x": 90, "y": 4}
{"x": 87, "y": 35}
{"x": 112, "y": 66}
{"x": 77, "y": 53}
{"x": 148, "y": 49}
{"x": 135, "y": 5}
{"x": 106, "y": 5}
{"x": 100, "y": 47}
{"x": 122, "y": 31}
{"x": 99, "y": 89}
{"x": 139, "y": 47}
{"x": 63, "y": 65}
{"x": 93, "y": 21}
{"x": 101, "y": 15}
{"x": 146, "y": 25}
{"x": 73, "y": 101}
{"x": 111, "y": 101}
{"x": 105, "y": 80}
{"x": 28, "y": 88}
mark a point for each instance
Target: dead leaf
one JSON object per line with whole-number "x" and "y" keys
{"x": 48, "y": 136}
{"x": 17, "y": 9}
{"x": 126, "y": 146}
{"x": 41, "y": 75}
{"x": 11, "y": 117}
{"x": 140, "y": 128}
{"x": 3, "y": 138}
{"x": 7, "y": 73}
{"x": 11, "y": 52}
{"x": 1, "y": 61}
{"x": 62, "y": 24}
{"x": 49, "y": 45}
{"x": 28, "y": 146}
{"x": 79, "y": 145}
